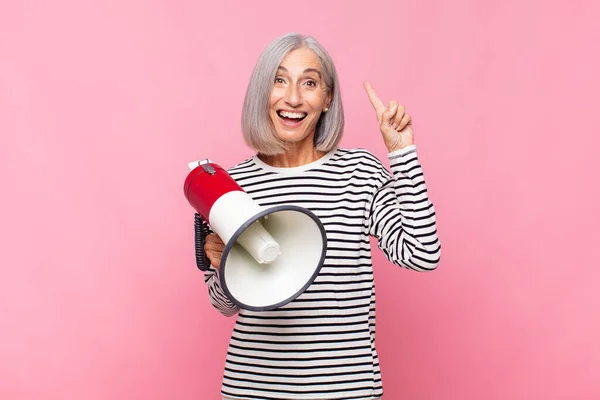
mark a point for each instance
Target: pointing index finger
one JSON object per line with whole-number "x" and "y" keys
{"x": 375, "y": 101}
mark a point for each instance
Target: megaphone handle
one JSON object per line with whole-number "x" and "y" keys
{"x": 201, "y": 230}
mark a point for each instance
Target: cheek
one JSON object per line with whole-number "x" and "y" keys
{"x": 276, "y": 95}
{"x": 316, "y": 100}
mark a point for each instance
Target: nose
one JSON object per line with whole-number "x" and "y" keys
{"x": 293, "y": 96}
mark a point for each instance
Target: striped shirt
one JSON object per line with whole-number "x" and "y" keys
{"x": 322, "y": 345}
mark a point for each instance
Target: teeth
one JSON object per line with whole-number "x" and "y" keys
{"x": 288, "y": 114}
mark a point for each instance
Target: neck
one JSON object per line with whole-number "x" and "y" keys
{"x": 298, "y": 154}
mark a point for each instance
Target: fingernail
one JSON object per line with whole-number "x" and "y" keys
{"x": 395, "y": 126}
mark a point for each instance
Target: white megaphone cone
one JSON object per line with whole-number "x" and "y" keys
{"x": 271, "y": 254}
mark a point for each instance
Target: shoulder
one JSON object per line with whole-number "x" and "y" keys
{"x": 244, "y": 167}
{"x": 359, "y": 164}
{"x": 358, "y": 156}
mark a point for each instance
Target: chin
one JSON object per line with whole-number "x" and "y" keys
{"x": 291, "y": 137}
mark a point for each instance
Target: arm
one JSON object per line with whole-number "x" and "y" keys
{"x": 217, "y": 296}
{"x": 402, "y": 217}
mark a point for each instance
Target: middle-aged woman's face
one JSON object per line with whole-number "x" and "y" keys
{"x": 298, "y": 96}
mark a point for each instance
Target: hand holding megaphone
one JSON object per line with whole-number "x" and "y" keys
{"x": 214, "y": 248}
{"x": 266, "y": 257}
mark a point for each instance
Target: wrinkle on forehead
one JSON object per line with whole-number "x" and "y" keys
{"x": 301, "y": 60}
{"x": 306, "y": 71}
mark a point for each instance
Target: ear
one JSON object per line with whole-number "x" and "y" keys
{"x": 328, "y": 100}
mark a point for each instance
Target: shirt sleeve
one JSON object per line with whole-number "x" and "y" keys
{"x": 217, "y": 296}
{"x": 401, "y": 215}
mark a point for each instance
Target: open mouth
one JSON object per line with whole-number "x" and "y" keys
{"x": 291, "y": 117}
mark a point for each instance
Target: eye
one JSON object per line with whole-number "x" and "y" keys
{"x": 311, "y": 83}
{"x": 279, "y": 80}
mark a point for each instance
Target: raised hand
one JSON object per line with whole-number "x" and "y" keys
{"x": 395, "y": 124}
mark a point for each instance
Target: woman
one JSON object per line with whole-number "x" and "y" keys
{"x": 322, "y": 345}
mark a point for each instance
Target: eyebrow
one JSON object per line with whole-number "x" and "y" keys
{"x": 307, "y": 70}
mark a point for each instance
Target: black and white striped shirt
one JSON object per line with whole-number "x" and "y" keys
{"x": 322, "y": 345}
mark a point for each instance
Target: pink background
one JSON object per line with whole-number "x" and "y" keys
{"x": 103, "y": 103}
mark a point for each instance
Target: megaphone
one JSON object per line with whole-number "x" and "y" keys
{"x": 272, "y": 254}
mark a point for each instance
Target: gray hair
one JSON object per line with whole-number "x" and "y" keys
{"x": 257, "y": 126}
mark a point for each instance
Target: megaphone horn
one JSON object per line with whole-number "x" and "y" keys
{"x": 271, "y": 254}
